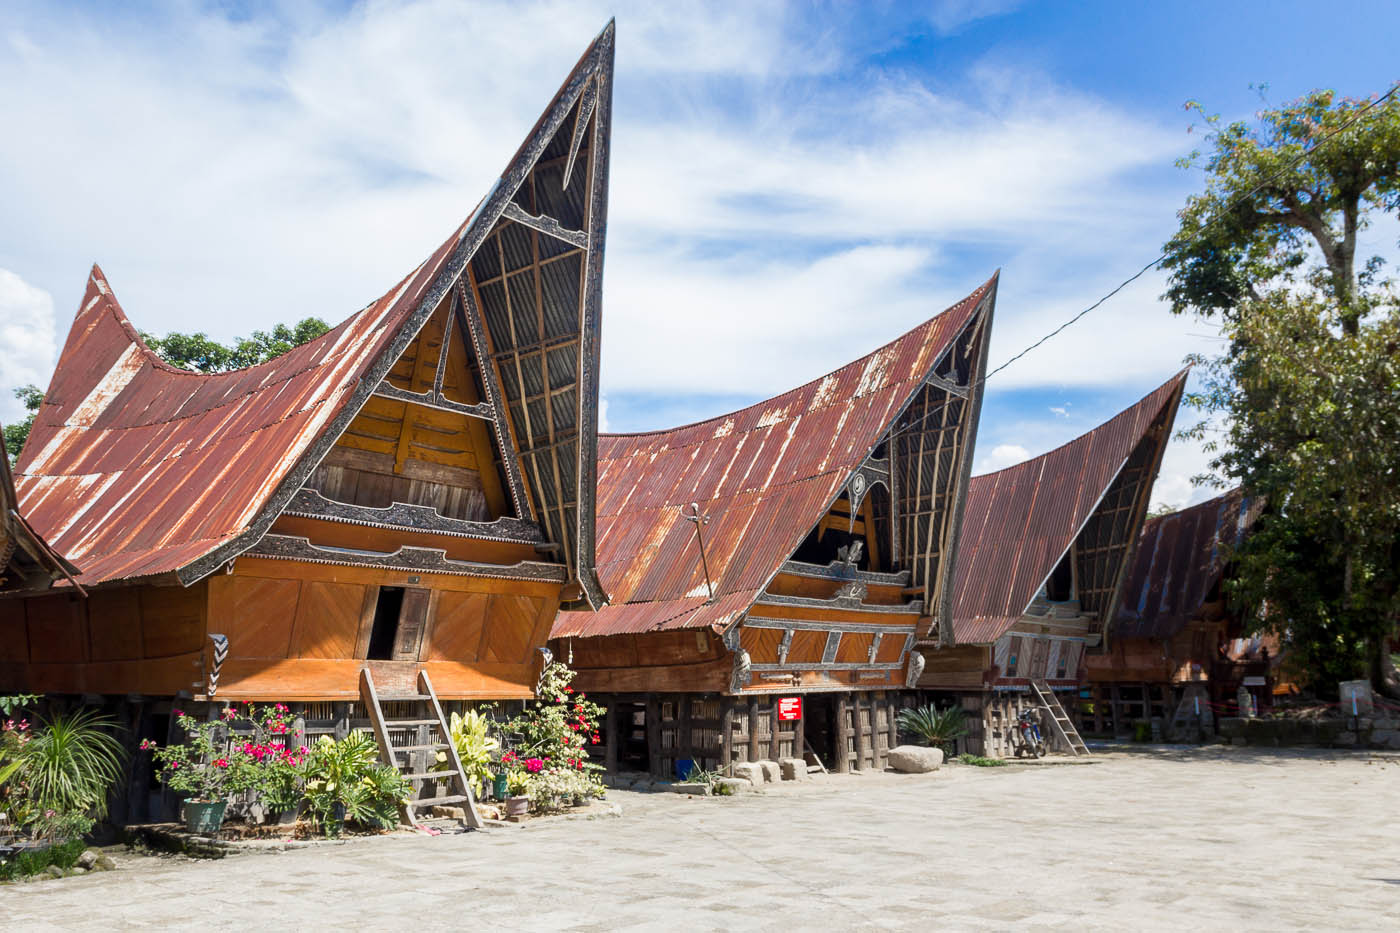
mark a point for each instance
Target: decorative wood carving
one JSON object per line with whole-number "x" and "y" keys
{"x": 309, "y": 503}
{"x": 407, "y": 558}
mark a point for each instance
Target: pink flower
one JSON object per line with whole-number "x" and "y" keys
{"x": 147, "y": 744}
{"x": 228, "y": 714}
{"x": 534, "y": 765}
{"x": 221, "y": 762}
{"x": 178, "y": 712}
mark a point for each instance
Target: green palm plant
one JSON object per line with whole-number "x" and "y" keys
{"x": 71, "y": 761}
{"x": 348, "y": 773}
{"x": 932, "y": 726}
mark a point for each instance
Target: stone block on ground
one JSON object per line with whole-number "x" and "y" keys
{"x": 88, "y": 858}
{"x": 915, "y": 759}
{"x": 793, "y": 769}
{"x": 748, "y": 771}
{"x": 771, "y": 771}
{"x": 736, "y": 785}
{"x": 699, "y": 790}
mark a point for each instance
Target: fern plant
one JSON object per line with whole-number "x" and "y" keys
{"x": 932, "y": 726}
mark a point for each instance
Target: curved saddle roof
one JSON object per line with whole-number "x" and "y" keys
{"x": 1021, "y": 521}
{"x": 763, "y": 475}
{"x": 136, "y": 468}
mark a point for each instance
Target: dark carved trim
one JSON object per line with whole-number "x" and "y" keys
{"x": 407, "y": 558}
{"x": 852, "y": 603}
{"x": 470, "y": 314}
{"x": 836, "y": 570}
{"x": 309, "y": 503}
{"x": 941, "y": 625}
{"x": 546, "y": 225}
{"x": 598, "y": 60}
{"x": 590, "y": 335}
{"x": 434, "y": 399}
{"x": 827, "y": 666}
{"x": 809, "y": 625}
{"x": 947, "y": 385}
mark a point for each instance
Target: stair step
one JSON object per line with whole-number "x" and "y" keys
{"x": 400, "y": 723}
{"x": 404, "y": 698}
{"x": 438, "y": 801}
{"x": 418, "y": 748}
{"x": 425, "y": 775}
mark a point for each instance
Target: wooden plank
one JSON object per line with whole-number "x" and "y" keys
{"x": 753, "y": 729}
{"x": 653, "y": 726}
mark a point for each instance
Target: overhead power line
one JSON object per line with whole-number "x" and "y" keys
{"x": 1356, "y": 118}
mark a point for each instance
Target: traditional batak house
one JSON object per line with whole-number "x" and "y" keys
{"x": 392, "y": 512}
{"x": 27, "y": 563}
{"x": 1173, "y": 649}
{"x": 1045, "y": 546}
{"x": 770, "y": 569}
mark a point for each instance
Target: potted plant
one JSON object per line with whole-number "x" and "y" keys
{"x": 517, "y": 787}
{"x": 204, "y": 769}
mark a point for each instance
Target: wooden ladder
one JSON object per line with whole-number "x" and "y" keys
{"x": 1064, "y": 727}
{"x": 422, "y": 735}
{"x": 812, "y": 760}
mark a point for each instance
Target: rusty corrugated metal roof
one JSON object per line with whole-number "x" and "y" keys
{"x": 1178, "y": 561}
{"x": 1020, "y": 521}
{"x": 136, "y": 468}
{"x": 26, "y": 560}
{"x": 764, "y": 476}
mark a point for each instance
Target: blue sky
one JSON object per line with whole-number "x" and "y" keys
{"x": 791, "y": 185}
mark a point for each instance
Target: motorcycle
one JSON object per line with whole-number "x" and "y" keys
{"x": 1028, "y": 731}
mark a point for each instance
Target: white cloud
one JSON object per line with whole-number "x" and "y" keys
{"x": 1001, "y": 457}
{"x": 777, "y": 207}
{"x": 26, "y": 340}
{"x": 948, "y": 16}
{"x": 603, "y": 426}
{"x": 1060, "y": 410}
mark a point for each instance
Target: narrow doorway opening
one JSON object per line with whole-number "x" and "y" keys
{"x": 385, "y": 630}
{"x": 633, "y": 753}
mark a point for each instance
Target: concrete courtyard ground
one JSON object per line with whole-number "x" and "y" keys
{"x": 1200, "y": 839}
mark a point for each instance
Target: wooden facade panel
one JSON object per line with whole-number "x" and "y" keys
{"x": 255, "y": 613}
{"x": 57, "y": 628}
{"x": 457, "y": 627}
{"x": 172, "y": 619}
{"x": 14, "y": 634}
{"x": 271, "y": 567}
{"x": 891, "y": 649}
{"x": 510, "y": 624}
{"x": 154, "y": 677}
{"x": 702, "y": 677}
{"x": 323, "y": 679}
{"x": 327, "y": 620}
{"x": 760, "y": 643}
{"x": 114, "y": 623}
{"x": 791, "y": 584}
{"x": 806, "y": 647}
{"x": 854, "y": 648}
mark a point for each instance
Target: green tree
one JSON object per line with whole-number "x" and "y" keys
{"x": 16, "y": 434}
{"x": 201, "y": 353}
{"x": 1308, "y": 387}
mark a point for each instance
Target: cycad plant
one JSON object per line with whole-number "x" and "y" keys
{"x": 71, "y": 761}
{"x": 932, "y": 726}
{"x": 348, "y": 776}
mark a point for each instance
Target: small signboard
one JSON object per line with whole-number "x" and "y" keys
{"x": 789, "y": 709}
{"x": 1253, "y": 681}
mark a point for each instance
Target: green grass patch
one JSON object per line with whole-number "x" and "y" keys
{"x": 977, "y": 761}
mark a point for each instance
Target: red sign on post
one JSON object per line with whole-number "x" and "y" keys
{"x": 789, "y": 709}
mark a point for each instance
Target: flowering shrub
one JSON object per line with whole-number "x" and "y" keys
{"x": 214, "y": 764}
{"x": 554, "y": 732}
